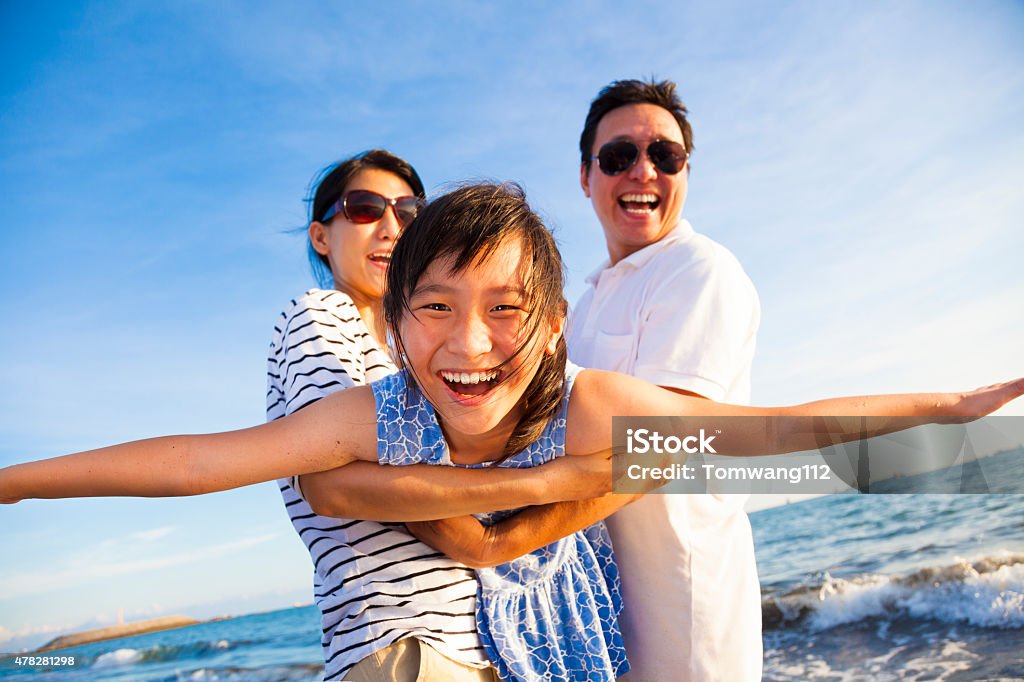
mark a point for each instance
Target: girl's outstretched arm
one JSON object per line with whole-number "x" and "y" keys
{"x": 333, "y": 432}
{"x": 607, "y": 394}
{"x": 421, "y": 491}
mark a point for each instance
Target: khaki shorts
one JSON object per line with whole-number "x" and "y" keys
{"x": 410, "y": 660}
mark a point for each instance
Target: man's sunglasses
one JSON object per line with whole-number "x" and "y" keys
{"x": 363, "y": 206}
{"x": 619, "y": 156}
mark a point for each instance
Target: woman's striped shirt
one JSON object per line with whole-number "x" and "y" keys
{"x": 373, "y": 582}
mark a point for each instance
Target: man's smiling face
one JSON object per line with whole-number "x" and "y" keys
{"x": 641, "y": 205}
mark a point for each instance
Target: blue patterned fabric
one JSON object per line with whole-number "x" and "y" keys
{"x": 548, "y": 615}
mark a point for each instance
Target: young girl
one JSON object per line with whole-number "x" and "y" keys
{"x": 475, "y": 308}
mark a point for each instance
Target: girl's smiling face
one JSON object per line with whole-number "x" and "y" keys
{"x": 465, "y": 339}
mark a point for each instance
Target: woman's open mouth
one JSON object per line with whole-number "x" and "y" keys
{"x": 471, "y": 384}
{"x": 380, "y": 258}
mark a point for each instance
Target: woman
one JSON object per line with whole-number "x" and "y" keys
{"x": 474, "y": 306}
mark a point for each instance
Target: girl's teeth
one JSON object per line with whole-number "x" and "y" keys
{"x": 467, "y": 377}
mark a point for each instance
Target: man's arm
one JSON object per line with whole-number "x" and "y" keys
{"x": 468, "y": 541}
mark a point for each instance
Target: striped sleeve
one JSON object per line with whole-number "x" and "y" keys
{"x": 314, "y": 352}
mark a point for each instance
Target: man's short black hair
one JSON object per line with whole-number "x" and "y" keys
{"x": 621, "y": 93}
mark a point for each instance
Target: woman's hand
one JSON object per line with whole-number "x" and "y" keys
{"x": 462, "y": 538}
{"x": 580, "y": 477}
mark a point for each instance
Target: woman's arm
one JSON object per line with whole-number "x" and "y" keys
{"x": 331, "y": 433}
{"x": 421, "y": 492}
{"x": 783, "y": 429}
{"x": 468, "y": 541}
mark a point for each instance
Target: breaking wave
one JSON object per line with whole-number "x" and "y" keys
{"x": 987, "y": 593}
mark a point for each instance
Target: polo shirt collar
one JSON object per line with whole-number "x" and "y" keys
{"x": 635, "y": 261}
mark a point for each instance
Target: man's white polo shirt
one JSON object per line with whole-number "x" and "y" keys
{"x": 680, "y": 313}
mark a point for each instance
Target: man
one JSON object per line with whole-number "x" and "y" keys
{"x": 674, "y": 308}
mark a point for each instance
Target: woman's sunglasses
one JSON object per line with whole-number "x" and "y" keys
{"x": 618, "y": 157}
{"x": 363, "y": 206}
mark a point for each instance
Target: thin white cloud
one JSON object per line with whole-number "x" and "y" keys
{"x": 153, "y": 534}
{"x": 974, "y": 343}
{"x": 28, "y": 631}
{"x": 79, "y": 572}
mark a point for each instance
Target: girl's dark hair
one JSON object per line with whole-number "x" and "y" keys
{"x": 467, "y": 226}
{"x": 331, "y": 182}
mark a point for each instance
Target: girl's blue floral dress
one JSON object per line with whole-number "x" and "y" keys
{"x": 548, "y": 615}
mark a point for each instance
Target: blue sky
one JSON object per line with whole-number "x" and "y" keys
{"x": 863, "y": 160}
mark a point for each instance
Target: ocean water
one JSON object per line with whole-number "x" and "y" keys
{"x": 854, "y": 587}
{"x": 885, "y": 587}
{"x": 280, "y": 646}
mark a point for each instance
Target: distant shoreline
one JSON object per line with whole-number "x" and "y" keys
{"x": 141, "y": 627}
{"x": 112, "y": 632}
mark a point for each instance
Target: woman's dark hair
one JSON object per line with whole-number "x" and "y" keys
{"x": 330, "y": 183}
{"x": 467, "y": 226}
{"x": 621, "y": 93}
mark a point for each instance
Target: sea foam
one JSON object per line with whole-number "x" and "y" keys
{"x": 117, "y": 658}
{"x": 987, "y": 593}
